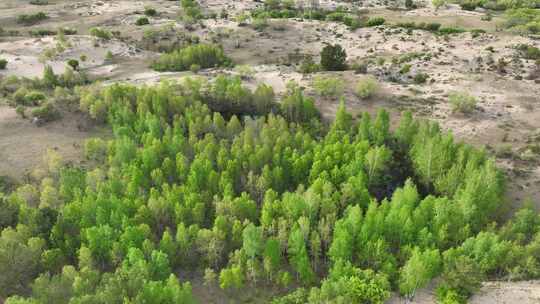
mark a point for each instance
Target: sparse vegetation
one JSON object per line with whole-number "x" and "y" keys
{"x": 32, "y": 19}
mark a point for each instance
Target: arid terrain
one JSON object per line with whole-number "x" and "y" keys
{"x": 505, "y": 120}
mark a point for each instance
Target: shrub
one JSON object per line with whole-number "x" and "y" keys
{"x": 34, "y": 97}
{"x": 245, "y": 71}
{"x": 39, "y": 2}
{"x": 523, "y": 20}
{"x": 359, "y": 67}
{"x": 420, "y": 78}
{"x": 100, "y": 33}
{"x": 74, "y": 64}
{"x": 375, "y": 21}
{"x": 328, "y": 86}
{"x": 150, "y": 11}
{"x": 450, "y": 30}
{"x": 529, "y": 51}
{"x": 462, "y": 102}
{"x": 406, "y": 68}
{"x": 195, "y": 68}
{"x": 42, "y": 32}
{"x": 438, "y": 3}
{"x": 3, "y": 64}
{"x": 333, "y": 58}
{"x": 142, "y": 21}
{"x": 47, "y": 112}
{"x": 205, "y": 55}
{"x": 20, "y": 110}
{"x": 31, "y": 19}
{"x": 308, "y": 66}
{"x": 366, "y": 87}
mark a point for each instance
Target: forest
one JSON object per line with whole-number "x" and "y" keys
{"x": 216, "y": 177}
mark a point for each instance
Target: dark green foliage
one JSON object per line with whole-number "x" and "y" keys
{"x": 3, "y": 64}
{"x": 333, "y": 58}
{"x": 142, "y": 21}
{"x": 204, "y": 55}
{"x": 100, "y": 33}
{"x": 31, "y": 19}
{"x": 527, "y": 51}
{"x": 150, "y": 11}
{"x": 375, "y": 21}
{"x": 39, "y": 2}
{"x": 74, "y": 64}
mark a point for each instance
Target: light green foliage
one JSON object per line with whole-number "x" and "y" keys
{"x": 419, "y": 270}
{"x": 204, "y": 55}
{"x": 523, "y": 20}
{"x": 366, "y": 87}
{"x": 213, "y": 175}
{"x": 330, "y": 87}
{"x": 462, "y": 102}
{"x": 100, "y": 33}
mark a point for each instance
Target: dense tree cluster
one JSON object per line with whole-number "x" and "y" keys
{"x": 201, "y": 55}
{"x": 215, "y": 176}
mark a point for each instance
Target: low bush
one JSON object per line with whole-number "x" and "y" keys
{"x": 330, "y": 87}
{"x": 47, "y": 112}
{"x": 204, "y": 55}
{"x": 333, "y": 58}
{"x": 308, "y": 66}
{"x": 42, "y": 32}
{"x": 462, "y": 102}
{"x": 39, "y": 2}
{"x": 529, "y": 51}
{"x": 100, "y": 33}
{"x": 3, "y": 64}
{"x": 450, "y": 30}
{"x": 74, "y": 64}
{"x": 375, "y": 21}
{"x": 142, "y": 21}
{"x": 150, "y": 11}
{"x": 366, "y": 87}
{"x": 523, "y": 20}
{"x": 31, "y": 19}
{"x": 420, "y": 78}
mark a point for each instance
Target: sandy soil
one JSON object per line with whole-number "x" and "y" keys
{"x": 23, "y": 145}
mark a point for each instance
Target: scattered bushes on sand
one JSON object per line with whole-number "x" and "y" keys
{"x": 462, "y": 102}
{"x": 327, "y": 86}
{"x": 333, "y": 58}
{"x": 366, "y": 87}
{"x": 205, "y": 55}
{"x": 3, "y": 64}
{"x": 31, "y": 19}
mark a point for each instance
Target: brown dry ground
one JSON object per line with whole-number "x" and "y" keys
{"x": 508, "y": 110}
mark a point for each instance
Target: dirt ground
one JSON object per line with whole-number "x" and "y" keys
{"x": 507, "y": 114}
